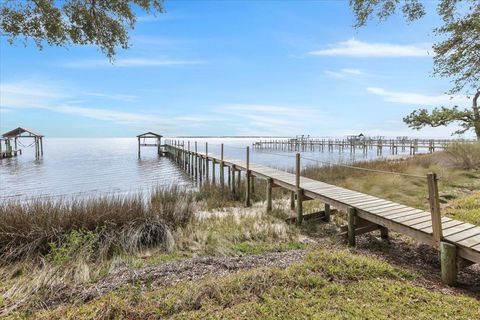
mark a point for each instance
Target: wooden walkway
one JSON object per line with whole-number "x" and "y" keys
{"x": 368, "y": 209}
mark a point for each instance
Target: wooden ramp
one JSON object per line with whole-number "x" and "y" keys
{"x": 383, "y": 213}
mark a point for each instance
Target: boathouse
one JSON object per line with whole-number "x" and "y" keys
{"x": 150, "y": 139}
{"x": 15, "y": 135}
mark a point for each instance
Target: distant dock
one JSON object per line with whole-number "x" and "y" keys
{"x": 355, "y": 144}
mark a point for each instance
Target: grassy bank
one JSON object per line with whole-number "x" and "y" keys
{"x": 47, "y": 245}
{"x": 327, "y": 285}
{"x": 53, "y": 251}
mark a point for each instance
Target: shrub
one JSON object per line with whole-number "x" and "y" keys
{"x": 464, "y": 155}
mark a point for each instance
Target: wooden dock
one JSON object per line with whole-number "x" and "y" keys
{"x": 456, "y": 240}
{"x": 356, "y": 144}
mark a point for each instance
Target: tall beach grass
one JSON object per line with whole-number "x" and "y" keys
{"x": 127, "y": 224}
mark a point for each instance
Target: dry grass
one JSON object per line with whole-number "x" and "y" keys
{"x": 456, "y": 183}
{"x": 328, "y": 284}
{"x": 48, "y": 246}
{"x": 220, "y": 232}
{"x": 29, "y": 230}
{"x": 464, "y": 155}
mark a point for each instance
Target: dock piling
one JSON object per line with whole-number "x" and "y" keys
{"x": 448, "y": 261}
{"x": 327, "y": 212}
{"x": 435, "y": 207}
{"x": 247, "y": 179}
{"x": 269, "y": 194}
{"x": 299, "y": 191}
{"x": 351, "y": 226}
{"x": 222, "y": 166}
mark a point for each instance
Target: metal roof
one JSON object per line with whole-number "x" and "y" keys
{"x": 18, "y": 131}
{"x": 149, "y": 134}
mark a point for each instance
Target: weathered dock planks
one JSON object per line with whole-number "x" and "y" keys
{"x": 365, "y": 212}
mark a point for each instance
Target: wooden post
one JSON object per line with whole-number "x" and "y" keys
{"x": 239, "y": 179}
{"x": 196, "y": 161}
{"x": 213, "y": 170}
{"x": 222, "y": 173}
{"x": 327, "y": 212}
{"x": 233, "y": 179}
{"x": 184, "y": 158}
{"x": 247, "y": 178}
{"x": 292, "y": 200}
{"x": 200, "y": 168}
{"x": 269, "y": 194}
{"x": 41, "y": 146}
{"x": 383, "y": 233}
{"x": 299, "y": 191}
{"x": 188, "y": 157}
{"x": 435, "y": 207}
{"x": 351, "y": 226}
{"x": 229, "y": 179}
{"x": 206, "y": 161}
{"x": 37, "y": 152}
{"x": 448, "y": 261}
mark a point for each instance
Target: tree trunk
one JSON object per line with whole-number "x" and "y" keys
{"x": 476, "y": 115}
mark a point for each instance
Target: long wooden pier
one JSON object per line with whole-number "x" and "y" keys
{"x": 456, "y": 240}
{"x": 354, "y": 144}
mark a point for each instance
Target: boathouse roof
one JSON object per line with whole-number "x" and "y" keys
{"x": 149, "y": 134}
{"x": 19, "y": 131}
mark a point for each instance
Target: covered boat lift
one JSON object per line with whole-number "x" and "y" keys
{"x": 157, "y": 142}
{"x": 14, "y": 135}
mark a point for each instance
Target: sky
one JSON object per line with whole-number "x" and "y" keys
{"x": 232, "y": 68}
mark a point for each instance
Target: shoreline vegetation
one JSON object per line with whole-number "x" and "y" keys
{"x": 202, "y": 254}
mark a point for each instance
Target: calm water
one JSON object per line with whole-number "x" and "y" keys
{"x": 88, "y": 167}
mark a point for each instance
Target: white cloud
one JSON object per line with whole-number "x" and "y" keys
{"x": 419, "y": 99}
{"x": 113, "y": 96}
{"x": 40, "y": 95}
{"x": 346, "y": 73}
{"x": 109, "y": 115}
{"x": 266, "y": 119}
{"x": 249, "y": 109}
{"x": 356, "y": 48}
{"x": 53, "y": 97}
{"x": 199, "y": 118}
{"x": 130, "y": 62}
{"x": 247, "y": 119}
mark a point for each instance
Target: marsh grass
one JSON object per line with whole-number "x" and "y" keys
{"x": 50, "y": 245}
{"x": 29, "y": 230}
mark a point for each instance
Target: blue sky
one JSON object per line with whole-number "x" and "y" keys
{"x": 231, "y": 68}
